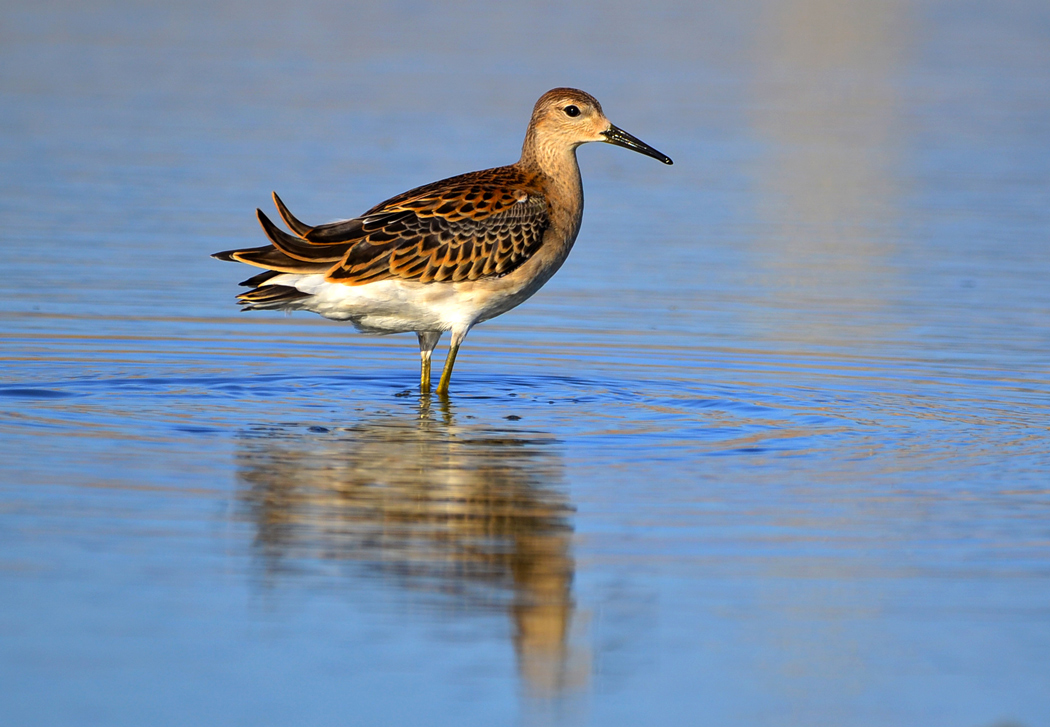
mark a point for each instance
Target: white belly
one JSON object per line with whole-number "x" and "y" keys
{"x": 400, "y": 306}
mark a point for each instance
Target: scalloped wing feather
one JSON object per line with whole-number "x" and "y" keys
{"x": 437, "y": 244}
{"x": 478, "y": 225}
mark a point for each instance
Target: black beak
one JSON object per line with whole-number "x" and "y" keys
{"x": 616, "y": 135}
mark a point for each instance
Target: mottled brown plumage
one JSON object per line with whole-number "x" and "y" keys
{"x": 446, "y": 255}
{"x": 471, "y": 227}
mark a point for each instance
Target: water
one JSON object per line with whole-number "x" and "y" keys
{"x": 771, "y": 449}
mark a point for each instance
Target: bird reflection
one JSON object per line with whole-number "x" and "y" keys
{"x": 473, "y": 515}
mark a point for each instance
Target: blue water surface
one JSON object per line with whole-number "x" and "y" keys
{"x": 773, "y": 447}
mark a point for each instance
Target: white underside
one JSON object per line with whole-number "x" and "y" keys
{"x": 400, "y": 306}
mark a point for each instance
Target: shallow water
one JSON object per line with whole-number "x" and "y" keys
{"x": 771, "y": 449}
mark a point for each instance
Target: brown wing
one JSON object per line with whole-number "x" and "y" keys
{"x": 427, "y": 246}
{"x": 479, "y": 225}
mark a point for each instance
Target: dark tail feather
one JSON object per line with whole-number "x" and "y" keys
{"x": 335, "y": 232}
{"x": 271, "y": 258}
{"x": 295, "y": 225}
{"x": 355, "y": 229}
{"x": 301, "y": 249}
{"x": 271, "y": 297}
{"x": 326, "y": 234}
{"x": 256, "y": 280}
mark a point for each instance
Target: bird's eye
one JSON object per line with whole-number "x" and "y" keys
{"x": 572, "y": 111}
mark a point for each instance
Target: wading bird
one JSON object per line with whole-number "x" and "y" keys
{"x": 447, "y": 255}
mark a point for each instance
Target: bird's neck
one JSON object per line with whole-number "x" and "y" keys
{"x": 561, "y": 174}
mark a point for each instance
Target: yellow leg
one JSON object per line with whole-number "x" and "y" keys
{"x": 427, "y": 341}
{"x": 424, "y": 375}
{"x": 446, "y": 373}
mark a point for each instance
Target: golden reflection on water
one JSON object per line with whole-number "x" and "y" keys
{"x": 476, "y": 515}
{"x": 826, "y": 104}
{"x": 825, "y": 100}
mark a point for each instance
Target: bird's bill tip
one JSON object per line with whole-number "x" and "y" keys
{"x": 619, "y": 137}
